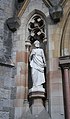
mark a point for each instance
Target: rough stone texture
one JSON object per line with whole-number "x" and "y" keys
{"x": 6, "y": 11}
{"x": 4, "y": 115}
{"x": 28, "y": 115}
{"x": 13, "y": 93}
{"x": 7, "y": 93}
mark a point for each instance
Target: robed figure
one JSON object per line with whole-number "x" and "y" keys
{"x": 37, "y": 63}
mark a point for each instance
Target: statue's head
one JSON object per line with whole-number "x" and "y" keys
{"x": 37, "y": 43}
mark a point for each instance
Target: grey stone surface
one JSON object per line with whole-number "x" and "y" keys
{"x": 55, "y": 2}
{"x": 7, "y": 82}
{"x": 7, "y": 92}
{"x": 7, "y": 45}
{"x": 6, "y": 10}
{"x": 1, "y": 104}
{"x": 1, "y": 82}
{"x": 7, "y": 103}
{"x": 6, "y": 109}
{"x": 4, "y": 93}
{"x": 43, "y": 115}
{"x": 13, "y": 93}
{"x": 4, "y": 115}
{"x": 11, "y": 113}
{"x": 5, "y": 72}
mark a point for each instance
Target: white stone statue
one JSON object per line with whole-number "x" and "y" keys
{"x": 37, "y": 63}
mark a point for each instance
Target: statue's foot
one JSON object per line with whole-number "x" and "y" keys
{"x": 37, "y": 89}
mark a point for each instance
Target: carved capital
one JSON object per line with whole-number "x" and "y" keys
{"x": 64, "y": 62}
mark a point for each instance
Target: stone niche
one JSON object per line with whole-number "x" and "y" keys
{"x": 36, "y": 28}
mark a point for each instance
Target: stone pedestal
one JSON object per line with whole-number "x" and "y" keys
{"x": 37, "y": 106}
{"x": 36, "y": 92}
{"x": 37, "y": 99}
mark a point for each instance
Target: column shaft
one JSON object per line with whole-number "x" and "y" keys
{"x": 66, "y": 92}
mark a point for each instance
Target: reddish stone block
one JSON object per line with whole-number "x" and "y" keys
{"x": 53, "y": 64}
{"x": 20, "y": 94}
{"x": 21, "y": 56}
{"x": 18, "y": 103}
{"x": 24, "y": 71}
{"x": 20, "y": 80}
{"x": 54, "y": 74}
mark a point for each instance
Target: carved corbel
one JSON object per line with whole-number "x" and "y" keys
{"x": 13, "y": 23}
{"x": 55, "y": 9}
{"x": 56, "y": 12}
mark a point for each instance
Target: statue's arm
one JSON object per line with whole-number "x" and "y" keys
{"x": 43, "y": 56}
{"x": 31, "y": 55}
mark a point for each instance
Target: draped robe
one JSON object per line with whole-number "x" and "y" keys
{"x": 37, "y": 64}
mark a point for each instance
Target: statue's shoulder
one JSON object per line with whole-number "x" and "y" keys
{"x": 41, "y": 49}
{"x": 37, "y": 49}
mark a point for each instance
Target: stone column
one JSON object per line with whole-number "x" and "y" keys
{"x": 64, "y": 63}
{"x": 27, "y": 45}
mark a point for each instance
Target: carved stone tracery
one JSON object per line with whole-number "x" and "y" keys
{"x": 36, "y": 29}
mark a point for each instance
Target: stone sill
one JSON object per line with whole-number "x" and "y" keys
{"x": 7, "y": 64}
{"x": 37, "y": 94}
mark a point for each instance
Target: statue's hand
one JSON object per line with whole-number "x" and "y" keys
{"x": 45, "y": 65}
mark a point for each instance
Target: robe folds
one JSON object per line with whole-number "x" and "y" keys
{"x": 37, "y": 64}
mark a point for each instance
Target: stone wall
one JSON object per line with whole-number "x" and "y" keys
{"x": 55, "y": 80}
{"x": 6, "y": 11}
{"x": 7, "y": 92}
{"x": 7, "y": 82}
{"x": 55, "y": 95}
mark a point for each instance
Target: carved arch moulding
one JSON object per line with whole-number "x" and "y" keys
{"x": 55, "y": 11}
{"x": 48, "y": 3}
{"x": 65, "y": 26}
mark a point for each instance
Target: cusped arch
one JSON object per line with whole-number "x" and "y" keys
{"x": 36, "y": 12}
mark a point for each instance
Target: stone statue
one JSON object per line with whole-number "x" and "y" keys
{"x": 37, "y": 63}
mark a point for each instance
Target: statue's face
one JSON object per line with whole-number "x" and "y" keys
{"x": 37, "y": 43}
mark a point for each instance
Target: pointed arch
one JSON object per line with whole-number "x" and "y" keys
{"x": 47, "y": 2}
{"x": 23, "y": 8}
{"x": 65, "y": 41}
{"x": 36, "y": 11}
